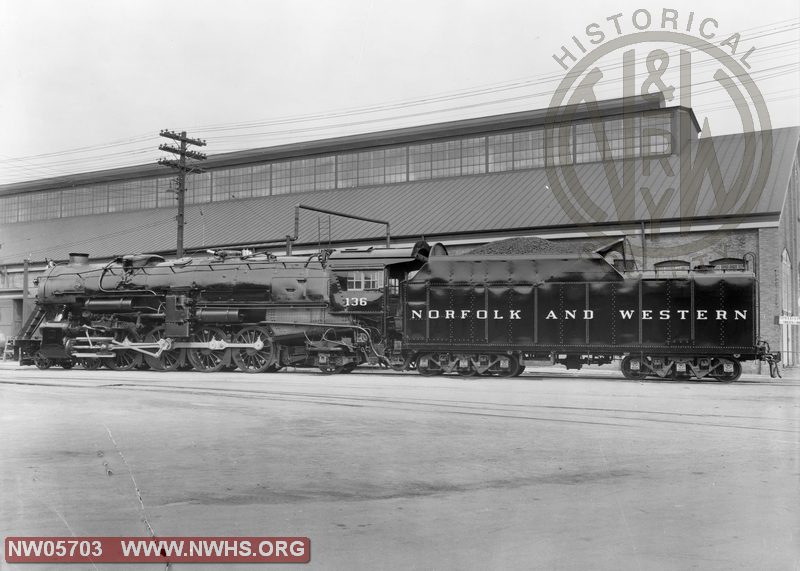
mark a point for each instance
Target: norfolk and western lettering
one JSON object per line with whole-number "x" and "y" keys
{"x": 586, "y": 314}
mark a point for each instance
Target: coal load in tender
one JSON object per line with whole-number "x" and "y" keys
{"x": 530, "y": 245}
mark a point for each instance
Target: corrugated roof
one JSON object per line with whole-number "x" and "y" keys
{"x": 517, "y": 201}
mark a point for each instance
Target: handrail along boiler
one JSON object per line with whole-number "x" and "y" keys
{"x": 407, "y": 308}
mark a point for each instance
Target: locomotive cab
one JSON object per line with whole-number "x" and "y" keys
{"x": 366, "y": 281}
{"x": 366, "y": 285}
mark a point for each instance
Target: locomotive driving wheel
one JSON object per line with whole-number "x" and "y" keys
{"x": 249, "y": 359}
{"x": 124, "y": 359}
{"x": 205, "y": 359}
{"x": 168, "y": 360}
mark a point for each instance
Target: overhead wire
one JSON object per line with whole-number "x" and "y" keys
{"x": 239, "y": 136}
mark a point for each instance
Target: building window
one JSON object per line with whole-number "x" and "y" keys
{"x": 446, "y": 159}
{"x": 303, "y": 172}
{"x": 149, "y": 192}
{"x": 396, "y": 161}
{"x": 473, "y": 156}
{"x": 9, "y": 209}
{"x": 24, "y": 205}
{"x": 131, "y": 195}
{"x": 261, "y": 180}
{"x": 168, "y": 191}
{"x": 371, "y": 167}
{"x": 325, "y": 173}
{"x": 232, "y": 184}
{"x": 656, "y": 134}
{"x": 529, "y": 149}
{"x": 281, "y": 178}
{"x": 589, "y": 142}
{"x": 622, "y": 138}
{"x": 198, "y": 188}
{"x": 76, "y": 202}
{"x": 558, "y": 145}
{"x": 115, "y": 197}
{"x": 419, "y": 162}
{"x": 501, "y": 152}
{"x": 99, "y": 198}
{"x": 366, "y": 280}
{"x": 347, "y": 170}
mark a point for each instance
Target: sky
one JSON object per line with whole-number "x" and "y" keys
{"x": 88, "y": 84}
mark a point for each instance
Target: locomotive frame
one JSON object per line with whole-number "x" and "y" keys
{"x": 412, "y": 308}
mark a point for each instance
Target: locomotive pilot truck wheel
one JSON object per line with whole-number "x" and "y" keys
{"x": 41, "y": 361}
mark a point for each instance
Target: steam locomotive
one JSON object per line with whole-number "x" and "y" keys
{"x": 403, "y": 308}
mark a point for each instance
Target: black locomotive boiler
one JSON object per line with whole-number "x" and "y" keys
{"x": 404, "y": 308}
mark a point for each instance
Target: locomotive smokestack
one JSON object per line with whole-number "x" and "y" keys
{"x": 78, "y": 259}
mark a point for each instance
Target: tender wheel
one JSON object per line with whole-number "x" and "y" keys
{"x": 729, "y": 376}
{"x": 407, "y": 364}
{"x": 513, "y": 366}
{"x": 41, "y": 361}
{"x": 254, "y": 360}
{"x": 625, "y": 367}
{"x": 428, "y": 366}
{"x": 126, "y": 359}
{"x": 208, "y": 360}
{"x": 168, "y": 360}
{"x": 66, "y": 364}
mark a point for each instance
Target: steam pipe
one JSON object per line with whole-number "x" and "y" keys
{"x": 289, "y": 239}
{"x": 298, "y": 207}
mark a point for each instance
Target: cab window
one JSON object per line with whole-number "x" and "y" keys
{"x": 364, "y": 280}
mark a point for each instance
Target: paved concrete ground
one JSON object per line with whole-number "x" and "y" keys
{"x": 553, "y": 470}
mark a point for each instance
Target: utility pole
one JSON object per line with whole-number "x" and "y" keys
{"x": 180, "y": 165}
